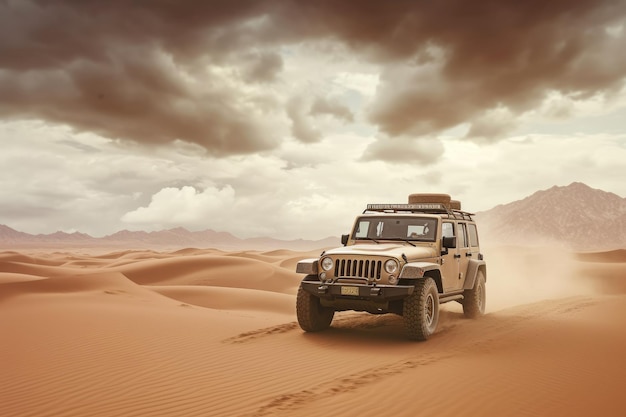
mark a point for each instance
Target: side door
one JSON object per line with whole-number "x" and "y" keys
{"x": 449, "y": 261}
{"x": 465, "y": 253}
{"x": 474, "y": 246}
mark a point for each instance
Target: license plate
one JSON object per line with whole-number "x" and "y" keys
{"x": 350, "y": 291}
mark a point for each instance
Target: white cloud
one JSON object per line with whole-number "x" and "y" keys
{"x": 184, "y": 206}
{"x": 58, "y": 180}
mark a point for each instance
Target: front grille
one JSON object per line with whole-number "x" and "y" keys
{"x": 358, "y": 268}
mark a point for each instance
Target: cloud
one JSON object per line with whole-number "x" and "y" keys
{"x": 144, "y": 98}
{"x": 136, "y": 73}
{"x": 307, "y": 123}
{"x": 493, "y": 125}
{"x": 322, "y": 106}
{"x": 404, "y": 150}
{"x": 363, "y": 83}
{"x": 445, "y": 63}
{"x": 184, "y": 206}
{"x": 418, "y": 100}
{"x": 302, "y": 127}
{"x": 54, "y": 182}
{"x": 155, "y": 72}
{"x": 262, "y": 67}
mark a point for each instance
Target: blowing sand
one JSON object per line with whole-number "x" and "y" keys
{"x": 211, "y": 333}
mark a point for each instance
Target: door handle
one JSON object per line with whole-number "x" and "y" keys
{"x": 456, "y": 256}
{"x": 468, "y": 254}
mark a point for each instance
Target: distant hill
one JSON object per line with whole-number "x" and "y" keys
{"x": 171, "y": 238}
{"x": 575, "y": 216}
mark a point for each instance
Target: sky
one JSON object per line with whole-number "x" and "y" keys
{"x": 285, "y": 118}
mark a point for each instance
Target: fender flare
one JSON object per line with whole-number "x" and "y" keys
{"x": 416, "y": 270}
{"x": 472, "y": 271}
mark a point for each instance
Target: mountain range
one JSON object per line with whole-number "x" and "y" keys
{"x": 574, "y": 216}
{"x": 172, "y": 238}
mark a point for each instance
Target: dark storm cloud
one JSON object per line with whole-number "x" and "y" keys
{"x": 123, "y": 69}
{"x": 262, "y": 68}
{"x": 453, "y": 61}
{"x": 482, "y": 55}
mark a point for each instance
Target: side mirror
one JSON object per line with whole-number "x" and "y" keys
{"x": 344, "y": 239}
{"x": 449, "y": 242}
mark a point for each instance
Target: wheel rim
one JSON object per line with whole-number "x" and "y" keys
{"x": 429, "y": 310}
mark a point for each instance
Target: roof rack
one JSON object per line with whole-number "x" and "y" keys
{"x": 428, "y": 208}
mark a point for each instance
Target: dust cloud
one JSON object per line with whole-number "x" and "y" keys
{"x": 523, "y": 275}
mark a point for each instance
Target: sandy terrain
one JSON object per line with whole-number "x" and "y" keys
{"x": 210, "y": 333}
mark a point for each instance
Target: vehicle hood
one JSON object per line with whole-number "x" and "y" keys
{"x": 385, "y": 249}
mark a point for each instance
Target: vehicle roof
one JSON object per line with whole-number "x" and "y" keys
{"x": 429, "y": 210}
{"x": 399, "y": 214}
{"x": 443, "y": 216}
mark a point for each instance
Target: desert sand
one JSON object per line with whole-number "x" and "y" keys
{"x": 202, "y": 332}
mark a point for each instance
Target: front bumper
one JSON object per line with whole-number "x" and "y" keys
{"x": 376, "y": 293}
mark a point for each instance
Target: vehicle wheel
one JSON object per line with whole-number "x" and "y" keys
{"x": 474, "y": 299}
{"x": 312, "y": 316}
{"x": 421, "y": 310}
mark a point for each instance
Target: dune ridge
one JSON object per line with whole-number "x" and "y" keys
{"x": 204, "y": 332}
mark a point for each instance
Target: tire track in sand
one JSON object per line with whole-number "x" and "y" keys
{"x": 464, "y": 342}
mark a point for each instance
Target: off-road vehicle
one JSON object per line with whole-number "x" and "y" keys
{"x": 405, "y": 259}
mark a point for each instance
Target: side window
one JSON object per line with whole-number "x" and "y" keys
{"x": 473, "y": 235}
{"x": 447, "y": 229}
{"x": 461, "y": 240}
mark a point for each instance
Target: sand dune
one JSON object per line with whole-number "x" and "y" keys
{"x": 210, "y": 333}
{"x": 222, "y": 298}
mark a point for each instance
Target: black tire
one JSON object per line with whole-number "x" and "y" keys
{"x": 474, "y": 299}
{"x": 421, "y": 310}
{"x": 312, "y": 316}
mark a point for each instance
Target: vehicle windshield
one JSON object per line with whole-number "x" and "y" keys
{"x": 396, "y": 228}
